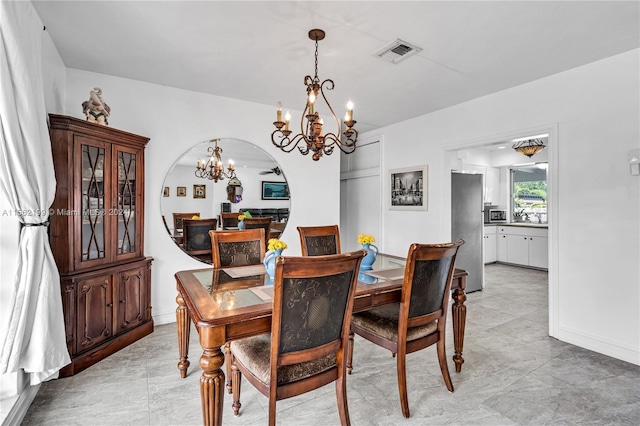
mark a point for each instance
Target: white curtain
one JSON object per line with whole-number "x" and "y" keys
{"x": 35, "y": 336}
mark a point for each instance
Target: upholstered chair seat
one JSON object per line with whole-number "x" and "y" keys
{"x": 253, "y": 352}
{"x": 383, "y": 322}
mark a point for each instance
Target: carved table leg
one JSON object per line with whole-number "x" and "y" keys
{"x": 459, "y": 313}
{"x": 182, "y": 321}
{"x": 212, "y": 380}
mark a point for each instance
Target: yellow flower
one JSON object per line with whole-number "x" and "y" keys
{"x": 241, "y": 217}
{"x": 365, "y": 239}
{"x": 196, "y": 217}
{"x": 275, "y": 244}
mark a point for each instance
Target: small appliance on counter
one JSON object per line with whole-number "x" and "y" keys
{"x": 493, "y": 214}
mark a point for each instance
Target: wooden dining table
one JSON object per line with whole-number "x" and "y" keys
{"x": 232, "y": 303}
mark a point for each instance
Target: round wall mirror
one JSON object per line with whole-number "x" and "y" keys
{"x": 190, "y": 200}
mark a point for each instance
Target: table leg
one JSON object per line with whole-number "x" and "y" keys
{"x": 182, "y": 321}
{"x": 212, "y": 380}
{"x": 459, "y": 314}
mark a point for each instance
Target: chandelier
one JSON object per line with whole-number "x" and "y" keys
{"x": 529, "y": 147}
{"x": 312, "y": 136}
{"x": 212, "y": 168}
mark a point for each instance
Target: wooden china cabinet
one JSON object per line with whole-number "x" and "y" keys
{"x": 96, "y": 234}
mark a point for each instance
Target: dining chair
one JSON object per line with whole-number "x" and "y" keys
{"x": 228, "y": 220}
{"x": 276, "y": 229}
{"x": 418, "y": 320}
{"x": 319, "y": 240}
{"x": 232, "y": 249}
{"x": 177, "y": 221}
{"x": 196, "y": 240}
{"x": 237, "y": 248}
{"x": 312, "y": 304}
{"x": 259, "y": 223}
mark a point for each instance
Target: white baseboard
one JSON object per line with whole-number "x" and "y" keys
{"x": 14, "y": 414}
{"x": 600, "y": 345}
{"x": 166, "y": 318}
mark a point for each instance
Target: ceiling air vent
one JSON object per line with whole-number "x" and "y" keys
{"x": 397, "y": 51}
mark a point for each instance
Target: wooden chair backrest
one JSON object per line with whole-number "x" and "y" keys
{"x": 319, "y": 240}
{"x": 308, "y": 328}
{"x": 228, "y": 220}
{"x": 427, "y": 284}
{"x": 195, "y": 236}
{"x": 237, "y": 248}
{"x": 178, "y": 218}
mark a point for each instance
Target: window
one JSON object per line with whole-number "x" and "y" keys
{"x": 529, "y": 193}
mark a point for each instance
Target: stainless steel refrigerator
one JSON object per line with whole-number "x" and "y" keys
{"x": 467, "y": 222}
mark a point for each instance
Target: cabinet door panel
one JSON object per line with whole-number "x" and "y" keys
{"x": 518, "y": 249}
{"x": 490, "y": 248}
{"x": 95, "y": 311}
{"x": 127, "y": 211}
{"x": 132, "y": 299}
{"x": 502, "y": 248}
{"x": 539, "y": 252}
{"x": 92, "y": 202}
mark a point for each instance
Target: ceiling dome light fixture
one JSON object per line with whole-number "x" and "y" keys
{"x": 312, "y": 133}
{"x": 529, "y": 147}
{"x": 215, "y": 170}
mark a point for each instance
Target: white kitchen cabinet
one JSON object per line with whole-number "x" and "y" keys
{"x": 539, "y": 252}
{"x": 492, "y": 185}
{"x": 501, "y": 245}
{"x": 518, "y": 249}
{"x": 520, "y": 245}
{"x": 489, "y": 244}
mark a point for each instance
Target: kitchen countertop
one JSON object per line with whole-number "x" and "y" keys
{"x": 521, "y": 224}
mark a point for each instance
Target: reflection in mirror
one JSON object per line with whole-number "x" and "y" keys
{"x": 234, "y": 190}
{"x": 201, "y": 198}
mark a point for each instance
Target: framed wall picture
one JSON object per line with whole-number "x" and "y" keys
{"x": 165, "y": 191}
{"x": 199, "y": 191}
{"x": 275, "y": 190}
{"x": 408, "y": 188}
{"x": 181, "y": 191}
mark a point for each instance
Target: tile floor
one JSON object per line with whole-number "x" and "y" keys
{"x": 514, "y": 374}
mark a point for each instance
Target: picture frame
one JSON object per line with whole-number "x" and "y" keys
{"x": 408, "y": 188}
{"x": 165, "y": 191}
{"x": 181, "y": 191}
{"x": 199, "y": 191}
{"x": 275, "y": 190}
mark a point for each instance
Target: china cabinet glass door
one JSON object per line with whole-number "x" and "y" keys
{"x": 126, "y": 208}
{"x": 93, "y": 226}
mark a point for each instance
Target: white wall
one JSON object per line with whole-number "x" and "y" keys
{"x": 176, "y": 120}
{"x": 594, "y": 272}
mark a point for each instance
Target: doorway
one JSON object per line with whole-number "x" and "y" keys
{"x": 488, "y": 144}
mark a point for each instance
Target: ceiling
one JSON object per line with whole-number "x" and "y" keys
{"x": 260, "y": 51}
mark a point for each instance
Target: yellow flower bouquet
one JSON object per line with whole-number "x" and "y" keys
{"x": 241, "y": 217}
{"x": 195, "y": 217}
{"x": 276, "y": 244}
{"x": 365, "y": 239}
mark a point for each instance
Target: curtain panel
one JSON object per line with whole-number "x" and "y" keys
{"x": 34, "y": 339}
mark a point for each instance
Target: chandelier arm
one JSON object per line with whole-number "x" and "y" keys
{"x": 287, "y": 145}
{"x": 330, "y": 85}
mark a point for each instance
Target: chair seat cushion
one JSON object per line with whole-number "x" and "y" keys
{"x": 383, "y": 322}
{"x": 253, "y": 354}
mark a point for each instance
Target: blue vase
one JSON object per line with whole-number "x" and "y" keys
{"x": 367, "y": 261}
{"x": 270, "y": 263}
{"x": 241, "y": 224}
